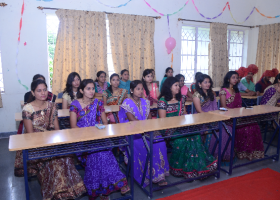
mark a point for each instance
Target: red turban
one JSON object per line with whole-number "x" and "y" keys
{"x": 241, "y": 72}
{"x": 252, "y": 68}
{"x": 270, "y": 73}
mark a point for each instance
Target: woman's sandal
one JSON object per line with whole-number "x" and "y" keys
{"x": 125, "y": 189}
{"x": 162, "y": 183}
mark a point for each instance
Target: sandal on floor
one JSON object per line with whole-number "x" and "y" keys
{"x": 125, "y": 189}
{"x": 162, "y": 183}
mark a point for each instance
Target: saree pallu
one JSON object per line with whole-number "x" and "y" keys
{"x": 248, "y": 140}
{"x": 58, "y": 176}
{"x": 160, "y": 162}
{"x": 206, "y": 106}
{"x": 189, "y": 157}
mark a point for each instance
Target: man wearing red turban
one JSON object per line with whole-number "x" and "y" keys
{"x": 264, "y": 80}
{"x": 244, "y": 91}
{"x": 249, "y": 72}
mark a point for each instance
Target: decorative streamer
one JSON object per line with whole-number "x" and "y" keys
{"x": 166, "y": 14}
{"x": 114, "y": 6}
{"x": 168, "y": 25}
{"x": 16, "y": 61}
{"x": 210, "y": 18}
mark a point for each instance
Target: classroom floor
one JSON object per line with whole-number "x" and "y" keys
{"x": 12, "y": 188}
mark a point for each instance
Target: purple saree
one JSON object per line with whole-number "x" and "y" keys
{"x": 102, "y": 173}
{"x": 206, "y": 106}
{"x": 270, "y": 96}
{"x": 160, "y": 161}
{"x": 248, "y": 140}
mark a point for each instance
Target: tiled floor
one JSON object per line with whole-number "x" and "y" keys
{"x": 12, "y": 188}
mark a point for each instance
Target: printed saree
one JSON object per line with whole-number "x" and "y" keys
{"x": 160, "y": 161}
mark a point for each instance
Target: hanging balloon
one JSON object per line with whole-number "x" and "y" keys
{"x": 170, "y": 44}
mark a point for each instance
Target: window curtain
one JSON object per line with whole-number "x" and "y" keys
{"x": 132, "y": 43}
{"x": 268, "y": 52}
{"x": 81, "y": 46}
{"x": 218, "y": 53}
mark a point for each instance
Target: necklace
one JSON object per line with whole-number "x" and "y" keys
{"x": 137, "y": 103}
{"x": 40, "y": 108}
{"x": 85, "y": 112}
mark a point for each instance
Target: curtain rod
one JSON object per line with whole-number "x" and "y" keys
{"x": 180, "y": 19}
{"x": 47, "y": 8}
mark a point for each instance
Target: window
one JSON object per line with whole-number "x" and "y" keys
{"x": 194, "y": 50}
{"x": 1, "y": 75}
{"x": 235, "y": 49}
{"x": 52, "y": 29}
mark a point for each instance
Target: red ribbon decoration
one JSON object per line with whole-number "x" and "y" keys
{"x": 20, "y": 23}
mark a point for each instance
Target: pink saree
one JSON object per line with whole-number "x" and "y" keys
{"x": 248, "y": 140}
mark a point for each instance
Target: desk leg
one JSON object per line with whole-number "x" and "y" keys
{"x": 232, "y": 146}
{"x": 219, "y": 149}
{"x": 132, "y": 166}
{"x": 151, "y": 163}
{"x": 25, "y": 156}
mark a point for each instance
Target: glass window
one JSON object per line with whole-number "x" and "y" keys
{"x": 1, "y": 74}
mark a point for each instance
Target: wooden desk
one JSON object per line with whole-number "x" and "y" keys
{"x": 256, "y": 114}
{"x": 66, "y": 113}
{"x": 216, "y": 89}
{"x": 243, "y": 112}
{"x": 181, "y": 121}
{"x": 66, "y": 136}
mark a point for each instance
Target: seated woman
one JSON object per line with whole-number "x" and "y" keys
{"x": 71, "y": 89}
{"x": 133, "y": 109}
{"x": 114, "y": 95}
{"x": 204, "y": 101}
{"x": 272, "y": 93}
{"x": 100, "y": 84}
{"x": 168, "y": 73}
{"x": 248, "y": 140}
{"x": 192, "y": 86}
{"x": 102, "y": 173}
{"x": 125, "y": 82}
{"x": 184, "y": 89}
{"x": 28, "y": 95}
{"x": 189, "y": 157}
{"x": 58, "y": 176}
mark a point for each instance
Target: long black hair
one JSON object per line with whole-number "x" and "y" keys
{"x": 33, "y": 87}
{"x": 36, "y": 76}
{"x": 166, "y": 89}
{"x": 83, "y": 85}
{"x": 99, "y": 73}
{"x": 166, "y": 70}
{"x": 145, "y": 73}
{"x": 179, "y": 76}
{"x": 69, "y": 88}
{"x": 197, "y": 74}
{"x": 210, "y": 93}
{"x": 111, "y": 77}
{"x": 133, "y": 85}
{"x": 276, "y": 79}
{"x": 226, "y": 81}
{"x": 123, "y": 71}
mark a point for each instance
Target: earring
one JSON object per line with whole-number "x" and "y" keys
{"x": 200, "y": 86}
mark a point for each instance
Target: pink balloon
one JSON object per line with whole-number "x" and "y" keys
{"x": 170, "y": 44}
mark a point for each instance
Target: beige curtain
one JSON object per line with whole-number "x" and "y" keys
{"x": 268, "y": 52}
{"x": 81, "y": 46}
{"x": 218, "y": 53}
{"x": 132, "y": 43}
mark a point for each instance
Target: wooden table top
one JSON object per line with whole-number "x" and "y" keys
{"x": 238, "y": 112}
{"x": 51, "y": 138}
{"x": 66, "y": 113}
{"x": 181, "y": 121}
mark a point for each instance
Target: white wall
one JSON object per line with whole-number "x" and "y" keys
{"x": 32, "y": 58}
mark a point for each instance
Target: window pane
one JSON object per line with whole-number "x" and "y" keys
{"x": 188, "y": 47}
{"x": 188, "y": 33}
{"x": 202, "y": 64}
{"x": 235, "y": 63}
